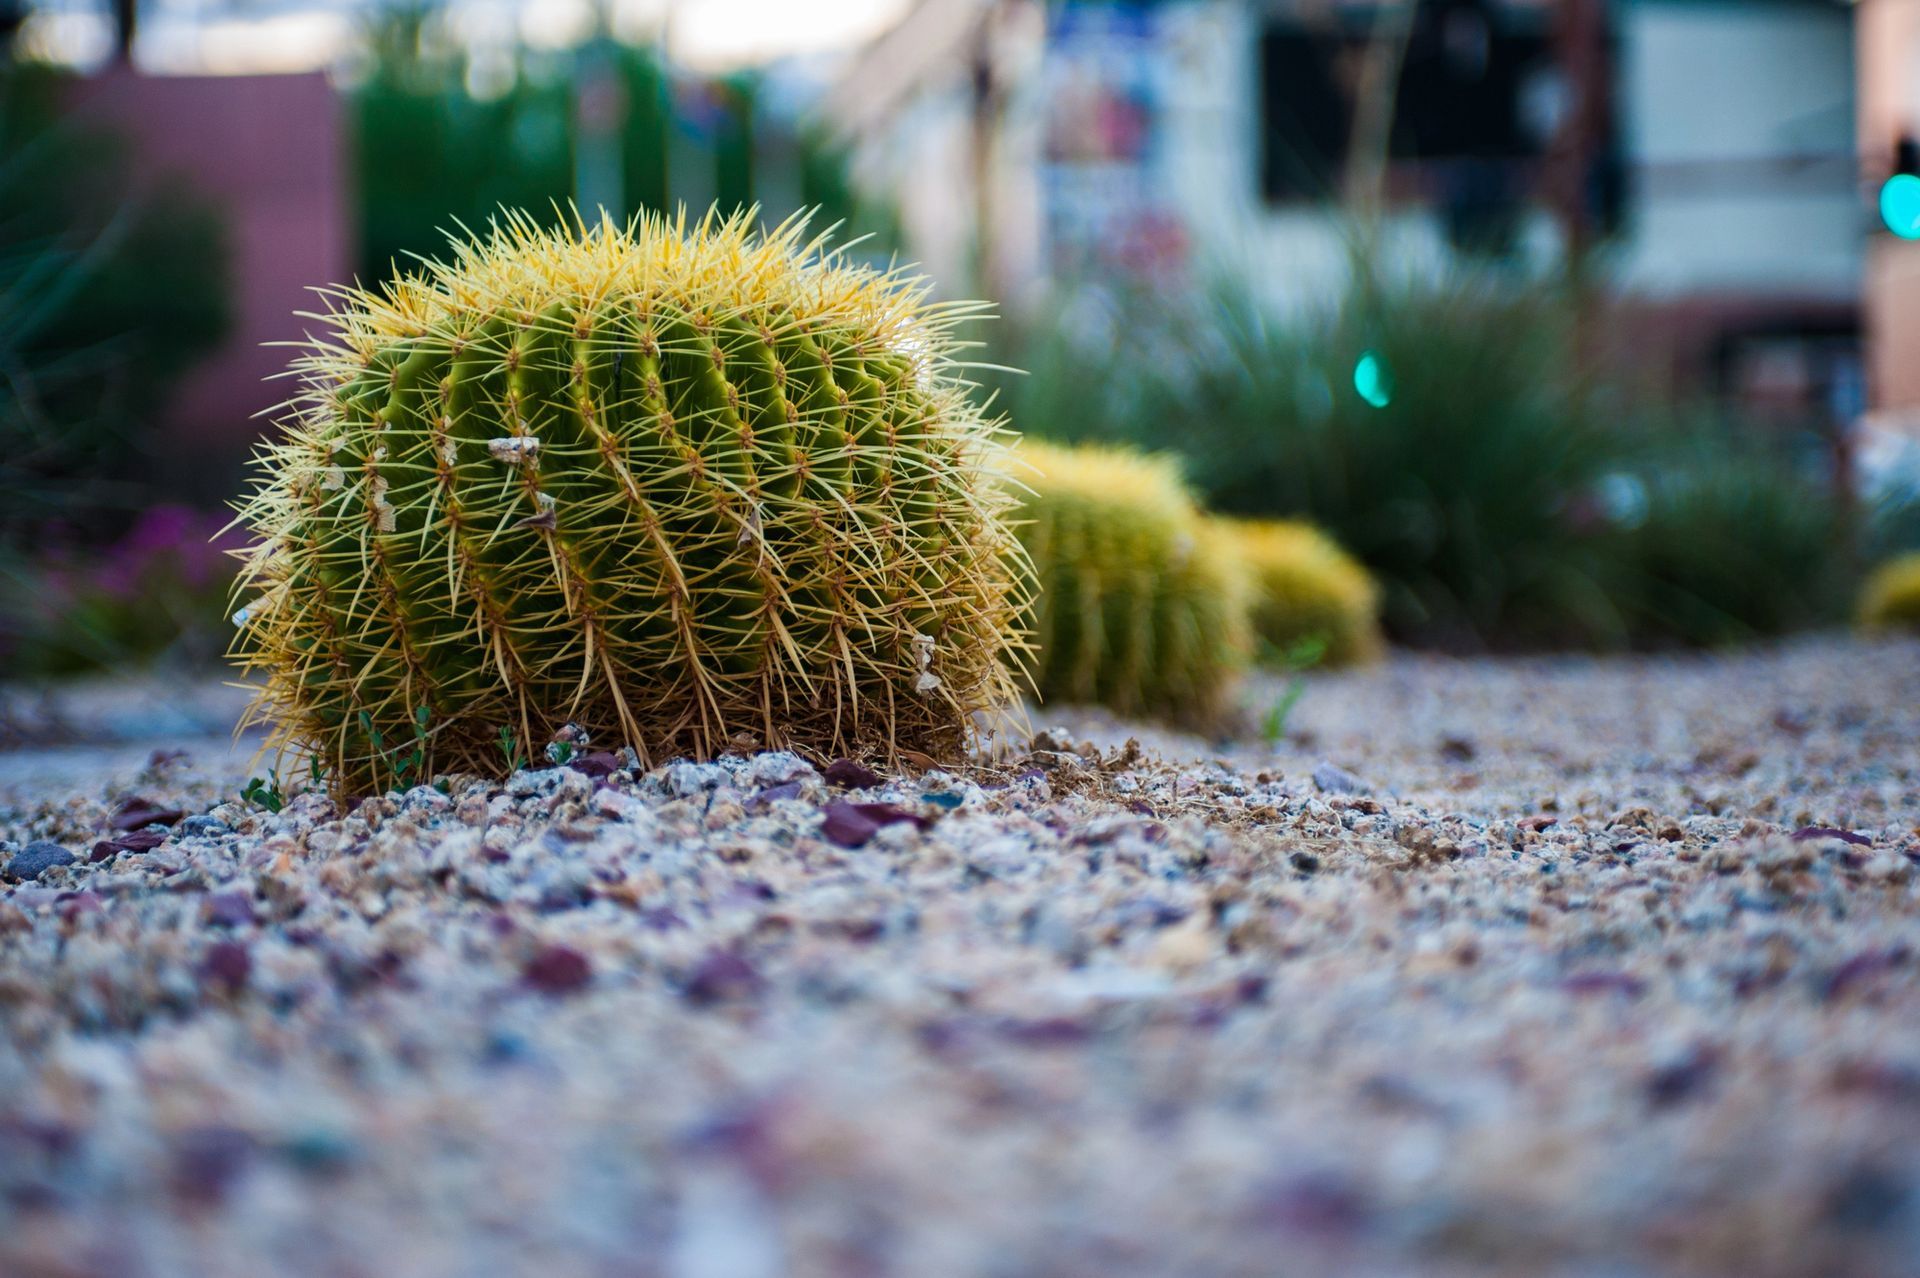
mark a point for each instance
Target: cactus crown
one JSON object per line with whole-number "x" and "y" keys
{"x": 1142, "y": 604}
{"x": 693, "y": 489}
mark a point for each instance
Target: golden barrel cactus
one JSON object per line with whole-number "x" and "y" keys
{"x": 1891, "y": 597}
{"x": 690, "y": 488}
{"x": 1142, "y": 601}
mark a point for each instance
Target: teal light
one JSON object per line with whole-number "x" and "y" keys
{"x": 1900, "y": 205}
{"x": 1373, "y": 379}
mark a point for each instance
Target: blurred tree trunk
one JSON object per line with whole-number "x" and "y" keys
{"x": 1375, "y": 96}
{"x": 126, "y": 17}
{"x": 1572, "y": 168}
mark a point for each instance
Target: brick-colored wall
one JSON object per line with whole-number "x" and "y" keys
{"x": 271, "y": 152}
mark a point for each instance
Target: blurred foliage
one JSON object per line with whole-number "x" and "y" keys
{"x": 106, "y": 297}
{"x": 1724, "y": 533}
{"x": 1891, "y": 596}
{"x": 158, "y": 593}
{"x": 1477, "y": 493}
{"x": 443, "y": 142}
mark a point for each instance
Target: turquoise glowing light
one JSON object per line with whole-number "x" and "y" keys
{"x": 1373, "y": 380}
{"x": 1900, "y": 205}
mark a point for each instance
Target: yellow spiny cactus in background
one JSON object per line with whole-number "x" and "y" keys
{"x": 692, "y": 488}
{"x": 1891, "y": 597}
{"x": 1307, "y": 588}
{"x": 1142, "y": 602}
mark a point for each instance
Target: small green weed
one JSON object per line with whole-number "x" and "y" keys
{"x": 1298, "y": 658}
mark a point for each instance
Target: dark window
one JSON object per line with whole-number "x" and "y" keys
{"x": 1462, "y": 91}
{"x": 1305, "y": 115}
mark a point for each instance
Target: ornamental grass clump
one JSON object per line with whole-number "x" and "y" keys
{"x": 1308, "y": 590}
{"x": 692, "y": 489}
{"x": 1891, "y": 597}
{"x": 1142, "y": 602}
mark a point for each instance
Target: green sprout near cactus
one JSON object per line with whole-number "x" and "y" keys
{"x": 511, "y": 749}
{"x": 692, "y": 489}
{"x": 1142, "y": 603}
{"x": 263, "y": 792}
{"x": 1299, "y": 657}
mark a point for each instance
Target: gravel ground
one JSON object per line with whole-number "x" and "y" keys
{"x": 1596, "y": 968}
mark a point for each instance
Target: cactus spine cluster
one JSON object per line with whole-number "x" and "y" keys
{"x": 692, "y": 489}
{"x": 1891, "y": 597}
{"x": 1308, "y": 590}
{"x": 1142, "y": 602}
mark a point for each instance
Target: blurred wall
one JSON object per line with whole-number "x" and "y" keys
{"x": 1889, "y": 44}
{"x": 1740, "y": 130}
{"x": 270, "y": 151}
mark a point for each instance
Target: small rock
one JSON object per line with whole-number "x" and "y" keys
{"x": 138, "y": 813}
{"x": 1814, "y": 833}
{"x": 35, "y": 859}
{"x": 534, "y": 783}
{"x": 688, "y": 779}
{"x": 1682, "y": 1080}
{"x": 138, "y": 841}
{"x": 1330, "y": 778}
{"x": 720, "y": 976}
{"x": 775, "y": 794}
{"x": 202, "y": 827}
{"x": 778, "y": 767}
{"x": 851, "y": 824}
{"x": 557, "y": 970}
{"x": 853, "y": 776}
{"x": 228, "y": 909}
{"x": 227, "y": 967}
{"x": 207, "y": 1161}
{"x": 600, "y": 763}
{"x": 425, "y": 798}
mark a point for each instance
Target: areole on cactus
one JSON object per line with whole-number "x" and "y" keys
{"x": 692, "y": 488}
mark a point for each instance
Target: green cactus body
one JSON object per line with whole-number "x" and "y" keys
{"x": 693, "y": 490}
{"x": 1142, "y": 603}
{"x": 1890, "y": 600}
{"x": 1307, "y": 589}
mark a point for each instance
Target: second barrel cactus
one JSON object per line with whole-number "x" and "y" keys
{"x": 691, "y": 489}
{"x": 1142, "y": 602}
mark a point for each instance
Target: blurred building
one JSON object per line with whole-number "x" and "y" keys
{"x": 1705, "y": 150}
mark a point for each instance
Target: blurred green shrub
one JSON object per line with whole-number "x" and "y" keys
{"x": 1455, "y": 493}
{"x": 106, "y": 297}
{"x": 1470, "y": 468}
{"x": 442, "y": 142}
{"x": 159, "y": 593}
{"x": 1722, "y": 534}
